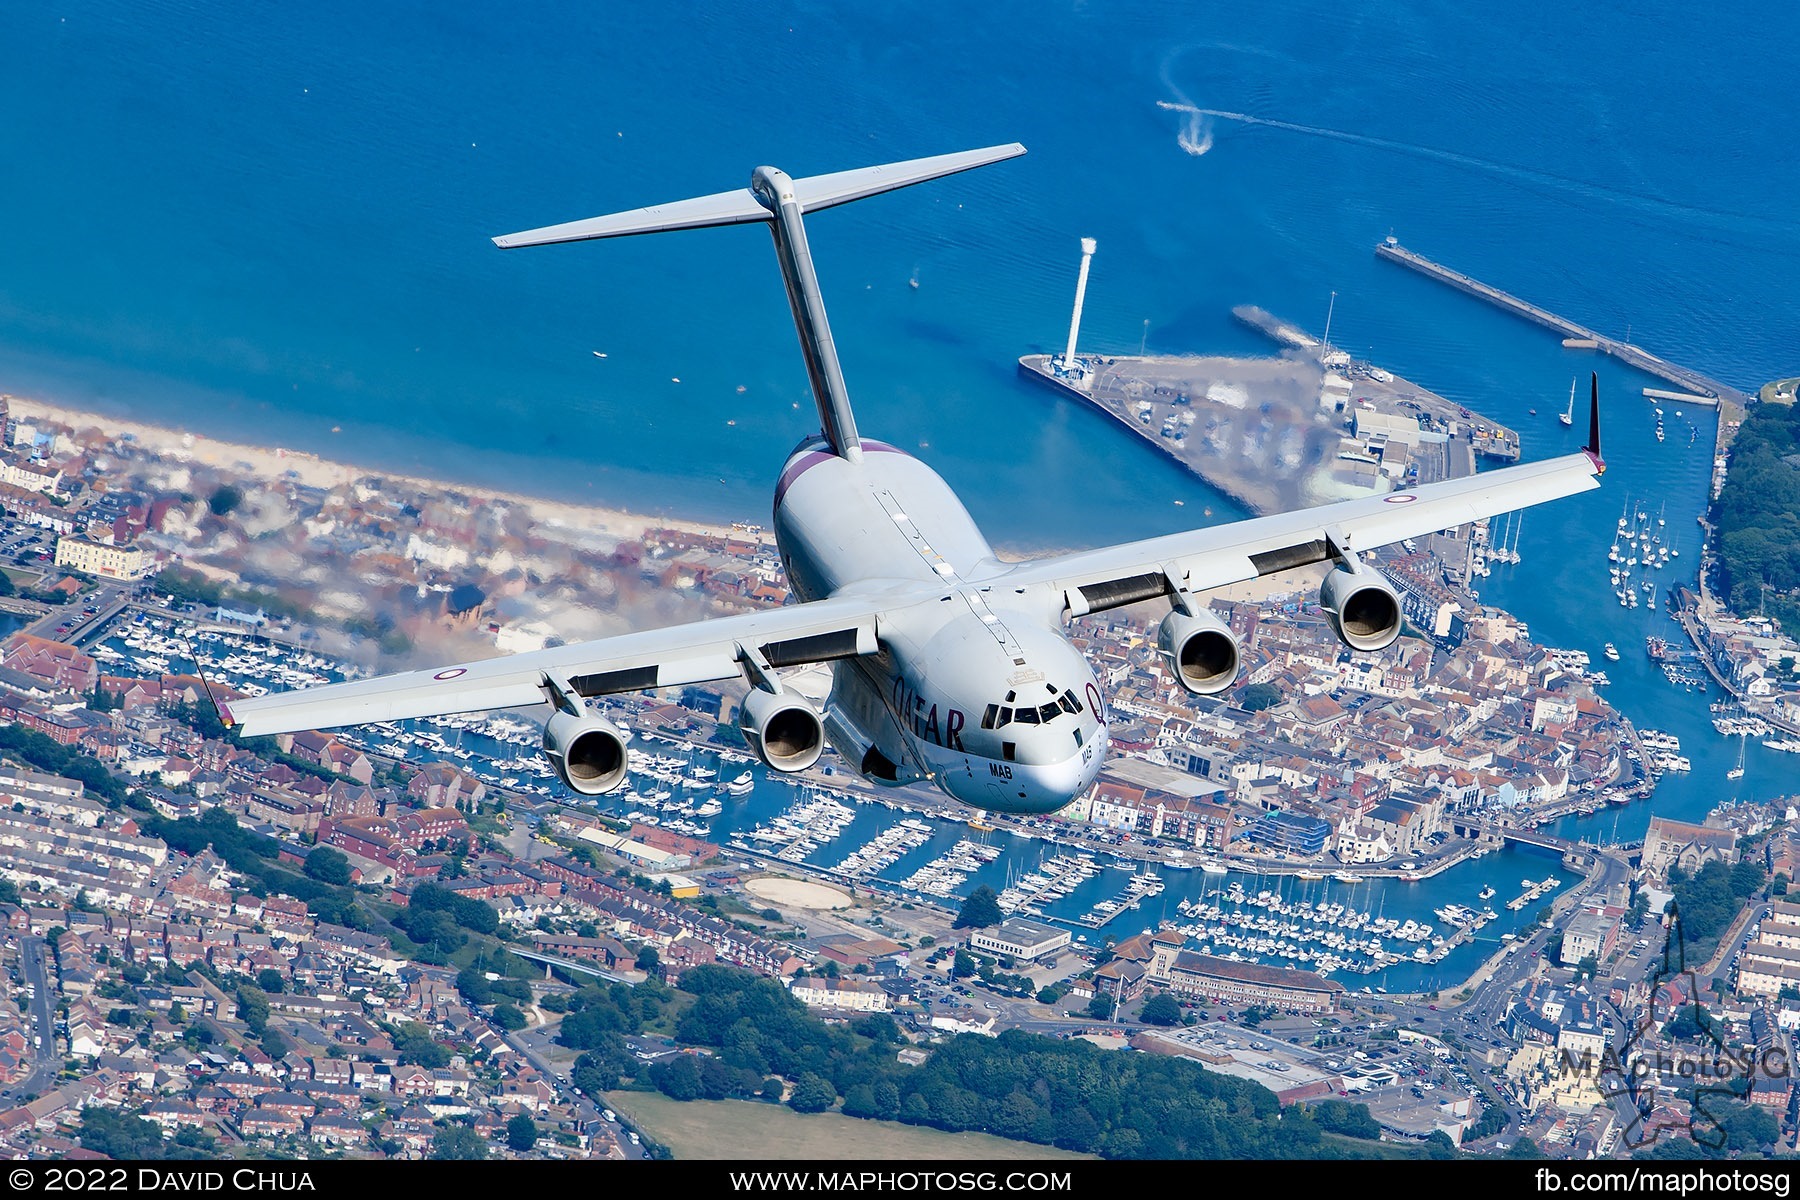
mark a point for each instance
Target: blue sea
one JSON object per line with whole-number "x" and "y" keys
{"x": 271, "y": 222}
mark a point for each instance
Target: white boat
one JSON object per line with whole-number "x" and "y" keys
{"x": 1612, "y": 652}
{"x": 1568, "y": 416}
{"x": 1737, "y": 772}
{"x": 1212, "y": 868}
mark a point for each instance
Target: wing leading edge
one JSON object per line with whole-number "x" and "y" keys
{"x": 839, "y": 627}
{"x": 1092, "y": 580}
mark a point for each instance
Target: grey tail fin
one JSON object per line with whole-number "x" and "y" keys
{"x": 780, "y": 201}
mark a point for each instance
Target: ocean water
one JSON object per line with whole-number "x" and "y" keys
{"x": 270, "y": 222}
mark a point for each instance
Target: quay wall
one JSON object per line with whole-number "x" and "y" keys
{"x": 1631, "y": 355}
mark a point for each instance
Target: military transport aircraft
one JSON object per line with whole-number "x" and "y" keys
{"x": 947, "y": 663}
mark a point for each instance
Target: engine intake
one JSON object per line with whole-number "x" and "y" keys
{"x": 784, "y": 730}
{"x": 1200, "y": 649}
{"x": 1363, "y": 607}
{"x": 587, "y": 752}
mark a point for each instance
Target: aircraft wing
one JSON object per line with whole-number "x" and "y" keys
{"x": 1092, "y": 580}
{"x": 839, "y": 627}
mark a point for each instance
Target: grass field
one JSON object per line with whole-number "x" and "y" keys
{"x": 745, "y": 1129}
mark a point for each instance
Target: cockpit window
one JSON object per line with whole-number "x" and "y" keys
{"x": 998, "y": 716}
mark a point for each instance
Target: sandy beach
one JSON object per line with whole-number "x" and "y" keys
{"x": 276, "y": 463}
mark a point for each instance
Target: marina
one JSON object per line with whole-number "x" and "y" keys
{"x": 909, "y": 845}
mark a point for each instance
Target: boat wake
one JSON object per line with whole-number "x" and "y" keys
{"x": 1196, "y": 133}
{"x": 1200, "y": 122}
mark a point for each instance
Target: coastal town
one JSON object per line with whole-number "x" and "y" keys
{"x": 370, "y": 941}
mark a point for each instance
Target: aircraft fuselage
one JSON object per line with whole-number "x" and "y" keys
{"x": 972, "y": 690}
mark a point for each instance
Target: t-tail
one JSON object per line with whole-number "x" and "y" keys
{"x": 780, "y": 202}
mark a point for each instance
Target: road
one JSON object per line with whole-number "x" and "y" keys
{"x": 34, "y": 967}
{"x": 528, "y": 1043}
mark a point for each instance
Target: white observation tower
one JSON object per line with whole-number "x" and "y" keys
{"x": 1068, "y": 358}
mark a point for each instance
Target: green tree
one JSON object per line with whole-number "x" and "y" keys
{"x": 598, "y": 1070}
{"x": 508, "y": 1017}
{"x": 1161, "y": 1009}
{"x": 1101, "y": 1006}
{"x": 253, "y": 1009}
{"x": 458, "y": 1142}
{"x": 980, "y": 910}
{"x": 1525, "y": 1148}
{"x": 877, "y": 1027}
{"x": 521, "y": 1133}
{"x": 963, "y": 965}
{"x": 415, "y": 1046}
{"x": 1255, "y": 697}
{"x": 813, "y": 1093}
{"x": 1749, "y": 1128}
{"x": 677, "y": 1077}
{"x": 271, "y": 981}
{"x": 328, "y": 866}
{"x": 1350, "y": 1120}
{"x": 648, "y": 960}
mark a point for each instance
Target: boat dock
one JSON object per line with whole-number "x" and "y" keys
{"x": 1143, "y": 886}
{"x": 1533, "y": 891}
{"x": 1695, "y": 387}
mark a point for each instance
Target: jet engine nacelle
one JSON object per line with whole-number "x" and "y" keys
{"x": 587, "y": 752}
{"x": 1363, "y": 607}
{"x": 784, "y": 730}
{"x": 1200, "y": 649}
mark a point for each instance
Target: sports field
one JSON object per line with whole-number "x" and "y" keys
{"x": 752, "y": 1130}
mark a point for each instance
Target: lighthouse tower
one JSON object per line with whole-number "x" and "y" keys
{"x": 1067, "y": 365}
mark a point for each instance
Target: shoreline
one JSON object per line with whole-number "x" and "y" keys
{"x": 278, "y": 464}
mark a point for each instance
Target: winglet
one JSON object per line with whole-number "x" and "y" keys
{"x": 1593, "y": 446}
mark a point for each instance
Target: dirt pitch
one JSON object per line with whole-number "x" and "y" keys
{"x": 753, "y": 1130}
{"x": 798, "y": 893}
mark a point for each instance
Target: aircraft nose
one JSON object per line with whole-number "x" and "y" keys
{"x": 1049, "y": 786}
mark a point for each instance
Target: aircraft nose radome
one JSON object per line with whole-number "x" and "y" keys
{"x": 1055, "y": 784}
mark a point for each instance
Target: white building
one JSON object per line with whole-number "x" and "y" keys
{"x": 1019, "y": 938}
{"x": 853, "y": 995}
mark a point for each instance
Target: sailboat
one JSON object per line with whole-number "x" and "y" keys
{"x": 1568, "y": 415}
{"x": 1737, "y": 772}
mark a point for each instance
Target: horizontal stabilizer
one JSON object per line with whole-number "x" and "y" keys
{"x": 722, "y": 208}
{"x": 841, "y": 187}
{"x": 735, "y": 208}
